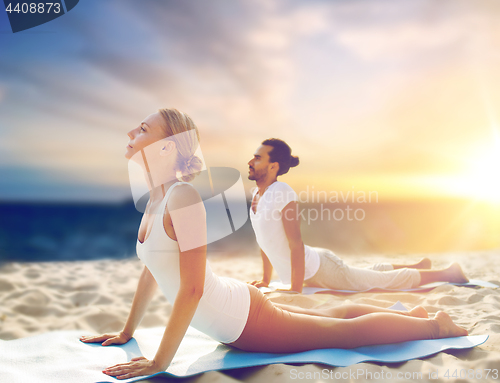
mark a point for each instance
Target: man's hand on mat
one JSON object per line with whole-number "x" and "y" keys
{"x": 260, "y": 283}
{"x": 107, "y": 339}
{"x": 136, "y": 367}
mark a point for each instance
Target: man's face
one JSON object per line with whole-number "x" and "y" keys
{"x": 258, "y": 166}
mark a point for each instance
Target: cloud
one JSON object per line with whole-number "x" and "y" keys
{"x": 405, "y": 40}
{"x": 388, "y": 31}
{"x": 236, "y": 59}
{"x": 346, "y": 83}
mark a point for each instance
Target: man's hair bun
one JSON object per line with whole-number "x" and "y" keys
{"x": 294, "y": 161}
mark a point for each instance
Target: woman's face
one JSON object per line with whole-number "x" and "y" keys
{"x": 148, "y": 132}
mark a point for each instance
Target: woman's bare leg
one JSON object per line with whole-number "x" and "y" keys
{"x": 272, "y": 329}
{"x": 284, "y": 331}
{"x": 352, "y": 311}
{"x": 452, "y": 273}
{"x": 425, "y": 263}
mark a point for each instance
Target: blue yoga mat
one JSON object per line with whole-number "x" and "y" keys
{"x": 59, "y": 356}
{"x": 473, "y": 283}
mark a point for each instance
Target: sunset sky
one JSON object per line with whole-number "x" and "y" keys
{"x": 397, "y": 97}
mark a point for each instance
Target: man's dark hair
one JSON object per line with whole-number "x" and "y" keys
{"x": 282, "y": 154}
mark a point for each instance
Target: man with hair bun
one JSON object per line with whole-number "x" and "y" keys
{"x": 275, "y": 218}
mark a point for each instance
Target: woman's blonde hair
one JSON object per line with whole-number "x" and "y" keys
{"x": 174, "y": 123}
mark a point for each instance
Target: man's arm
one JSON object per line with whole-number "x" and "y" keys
{"x": 267, "y": 268}
{"x": 291, "y": 224}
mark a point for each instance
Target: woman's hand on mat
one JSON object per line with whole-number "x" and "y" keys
{"x": 260, "y": 283}
{"x": 136, "y": 367}
{"x": 107, "y": 339}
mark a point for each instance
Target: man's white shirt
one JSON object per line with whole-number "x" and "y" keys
{"x": 270, "y": 233}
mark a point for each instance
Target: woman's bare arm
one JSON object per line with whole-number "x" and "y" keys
{"x": 144, "y": 294}
{"x": 189, "y": 222}
{"x": 192, "y": 266}
{"x": 146, "y": 289}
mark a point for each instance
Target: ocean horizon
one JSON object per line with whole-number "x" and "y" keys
{"x": 38, "y": 232}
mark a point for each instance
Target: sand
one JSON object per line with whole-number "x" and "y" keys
{"x": 96, "y": 296}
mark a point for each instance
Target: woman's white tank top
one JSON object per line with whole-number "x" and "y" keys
{"x": 223, "y": 309}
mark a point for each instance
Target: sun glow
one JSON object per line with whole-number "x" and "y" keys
{"x": 482, "y": 179}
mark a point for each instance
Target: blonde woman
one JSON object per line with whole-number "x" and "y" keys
{"x": 172, "y": 245}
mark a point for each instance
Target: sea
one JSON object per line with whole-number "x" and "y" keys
{"x": 41, "y": 232}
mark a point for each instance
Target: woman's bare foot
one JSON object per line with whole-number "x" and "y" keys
{"x": 448, "y": 329}
{"x": 418, "y": 312}
{"x": 456, "y": 274}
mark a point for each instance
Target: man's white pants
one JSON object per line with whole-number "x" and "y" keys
{"x": 334, "y": 274}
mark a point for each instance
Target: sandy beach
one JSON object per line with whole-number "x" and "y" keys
{"x": 96, "y": 296}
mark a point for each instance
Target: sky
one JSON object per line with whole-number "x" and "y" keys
{"x": 400, "y": 98}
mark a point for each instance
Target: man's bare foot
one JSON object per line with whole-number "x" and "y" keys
{"x": 456, "y": 274}
{"x": 425, "y": 263}
{"x": 418, "y": 312}
{"x": 448, "y": 329}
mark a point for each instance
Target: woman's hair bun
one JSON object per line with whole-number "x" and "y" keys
{"x": 192, "y": 167}
{"x": 294, "y": 161}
